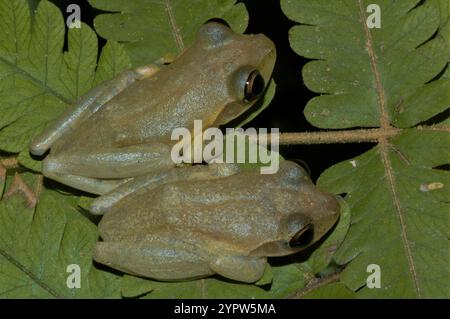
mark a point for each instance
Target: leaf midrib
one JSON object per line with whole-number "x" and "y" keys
{"x": 35, "y": 80}
{"x": 173, "y": 26}
{"x": 384, "y": 147}
{"x": 30, "y": 274}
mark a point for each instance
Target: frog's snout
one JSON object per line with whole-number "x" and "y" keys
{"x": 268, "y": 55}
{"x": 331, "y": 204}
{"x": 267, "y": 44}
{"x": 326, "y": 213}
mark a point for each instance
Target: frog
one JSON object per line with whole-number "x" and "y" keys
{"x": 216, "y": 219}
{"x": 122, "y": 128}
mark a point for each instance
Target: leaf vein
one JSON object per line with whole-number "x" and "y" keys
{"x": 173, "y": 25}
{"x": 27, "y": 272}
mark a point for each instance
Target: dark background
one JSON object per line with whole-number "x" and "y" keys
{"x": 286, "y": 109}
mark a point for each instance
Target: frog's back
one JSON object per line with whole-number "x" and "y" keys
{"x": 149, "y": 110}
{"x": 239, "y": 209}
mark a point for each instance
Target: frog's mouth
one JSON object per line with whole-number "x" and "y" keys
{"x": 300, "y": 240}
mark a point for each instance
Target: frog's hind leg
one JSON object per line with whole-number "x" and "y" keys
{"x": 91, "y": 185}
{"x": 240, "y": 268}
{"x": 158, "y": 259}
{"x": 111, "y": 162}
{"x": 170, "y": 259}
{"x": 87, "y": 105}
{"x": 150, "y": 181}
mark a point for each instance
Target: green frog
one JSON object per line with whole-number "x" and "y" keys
{"x": 122, "y": 128}
{"x": 202, "y": 220}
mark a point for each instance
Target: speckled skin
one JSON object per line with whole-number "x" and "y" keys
{"x": 227, "y": 223}
{"x": 122, "y": 128}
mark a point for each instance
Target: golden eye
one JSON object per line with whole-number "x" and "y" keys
{"x": 303, "y": 237}
{"x": 254, "y": 86}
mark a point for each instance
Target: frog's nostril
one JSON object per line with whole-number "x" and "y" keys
{"x": 303, "y": 237}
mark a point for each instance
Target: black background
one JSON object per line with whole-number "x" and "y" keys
{"x": 286, "y": 109}
{"x": 165, "y": 308}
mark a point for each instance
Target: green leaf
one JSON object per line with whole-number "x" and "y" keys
{"x": 37, "y": 79}
{"x": 113, "y": 60}
{"x": 37, "y": 246}
{"x": 27, "y": 161}
{"x": 33, "y": 4}
{"x": 153, "y": 29}
{"x": 400, "y": 220}
{"x": 444, "y": 10}
{"x": 422, "y": 104}
{"x": 444, "y": 30}
{"x": 331, "y": 291}
{"x": 390, "y": 78}
{"x": 37, "y": 82}
{"x": 365, "y": 74}
{"x": 135, "y": 286}
{"x": 288, "y": 279}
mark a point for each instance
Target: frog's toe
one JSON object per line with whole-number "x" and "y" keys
{"x": 37, "y": 147}
{"x": 100, "y": 205}
{"x": 51, "y": 165}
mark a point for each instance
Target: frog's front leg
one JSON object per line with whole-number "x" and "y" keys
{"x": 159, "y": 258}
{"x": 240, "y": 268}
{"x": 88, "y": 184}
{"x": 87, "y": 105}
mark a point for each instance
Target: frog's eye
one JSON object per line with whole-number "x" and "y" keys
{"x": 303, "y": 237}
{"x": 247, "y": 84}
{"x": 254, "y": 86}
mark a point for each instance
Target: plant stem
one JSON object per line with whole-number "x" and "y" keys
{"x": 374, "y": 135}
{"x": 332, "y": 137}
